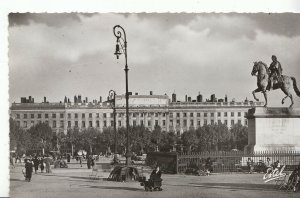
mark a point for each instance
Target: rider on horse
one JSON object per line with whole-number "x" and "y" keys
{"x": 275, "y": 70}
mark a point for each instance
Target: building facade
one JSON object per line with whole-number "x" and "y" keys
{"x": 146, "y": 110}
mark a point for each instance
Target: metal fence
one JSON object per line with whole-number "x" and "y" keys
{"x": 236, "y": 161}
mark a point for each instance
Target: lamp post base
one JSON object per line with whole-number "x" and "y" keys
{"x": 128, "y": 158}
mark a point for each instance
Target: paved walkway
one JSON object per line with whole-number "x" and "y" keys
{"x": 74, "y": 182}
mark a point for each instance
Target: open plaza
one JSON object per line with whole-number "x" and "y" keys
{"x": 75, "y": 181}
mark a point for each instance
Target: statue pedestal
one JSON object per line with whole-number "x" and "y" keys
{"x": 273, "y": 129}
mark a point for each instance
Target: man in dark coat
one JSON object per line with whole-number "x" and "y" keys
{"x": 36, "y": 164}
{"x": 28, "y": 169}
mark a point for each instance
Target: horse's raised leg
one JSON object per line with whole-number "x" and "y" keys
{"x": 253, "y": 93}
{"x": 266, "y": 98}
{"x": 283, "y": 99}
{"x": 288, "y": 94}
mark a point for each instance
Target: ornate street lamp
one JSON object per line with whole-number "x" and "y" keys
{"x": 121, "y": 48}
{"x": 112, "y": 97}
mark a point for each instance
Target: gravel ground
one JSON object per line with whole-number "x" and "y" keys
{"x": 75, "y": 182}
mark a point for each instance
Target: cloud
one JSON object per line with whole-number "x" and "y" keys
{"x": 188, "y": 53}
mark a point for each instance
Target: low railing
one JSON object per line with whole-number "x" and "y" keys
{"x": 237, "y": 161}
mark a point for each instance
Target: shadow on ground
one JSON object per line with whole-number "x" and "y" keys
{"x": 232, "y": 186}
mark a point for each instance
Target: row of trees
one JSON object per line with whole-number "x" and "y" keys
{"x": 206, "y": 138}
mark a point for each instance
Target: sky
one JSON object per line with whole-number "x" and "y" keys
{"x": 58, "y": 55}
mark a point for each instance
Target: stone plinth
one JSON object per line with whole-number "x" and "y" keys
{"x": 273, "y": 129}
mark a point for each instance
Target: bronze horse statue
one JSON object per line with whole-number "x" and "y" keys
{"x": 263, "y": 83}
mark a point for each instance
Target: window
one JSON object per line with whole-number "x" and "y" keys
{"x": 156, "y": 122}
{"x": 69, "y": 115}
{"x": 61, "y": 115}
{"x": 205, "y": 114}
{"x": 164, "y": 114}
{"x": 120, "y": 115}
{"x": 219, "y": 114}
{"x": 25, "y": 124}
{"x": 156, "y": 114}
{"x": 142, "y": 115}
{"x": 239, "y": 114}
{"x": 225, "y": 114}
{"x": 225, "y": 122}
{"x": 149, "y": 122}
{"x": 53, "y": 115}
{"x": 184, "y": 114}
{"x": 177, "y": 122}
{"x": 83, "y": 124}
{"x": 90, "y": 123}
{"x": 97, "y": 115}
{"x": 69, "y": 124}
{"x": 184, "y": 123}
{"x": 97, "y": 123}
{"x": 76, "y": 115}
{"x": 120, "y": 123}
{"x": 178, "y": 114}
{"x": 191, "y": 114}
{"x": 211, "y": 114}
{"x": 205, "y": 122}
{"x": 199, "y": 123}
{"x": 90, "y": 115}
{"x": 246, "y": 122}
{"x": 219, "y": 122}
{"x": 232, "y": 122}
{"x": 18, "y": 116}
{"x": 25, "y": 117}
{"x": 211, "y": 122}
{"x": 239, "y": 122}
{"x": 61, "y": 124}
{"x": 142, "y": 123}
{"x": 104, "y": 123}
{"x": 104, "y": 115}
{"x": 134, "y": 123}
{"x": 198, "y": 114}
{"x": 54, "y": 124}
{"x": 83, "y": 115}
{"x": 171, "y": 115}
{"x": 32, "y": 122}
{"x": 39, "y": 115}
{"x": 32, "y": 115}
{"x": 232, "y": 114}
{"x": 76, "y": 123}
{"x": 192, "y": 123}
{"x": 164, "y": 123}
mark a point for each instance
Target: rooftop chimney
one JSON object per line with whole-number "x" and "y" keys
{"x": 151, "y": 93}
{"x": 100, "y": 99}
{"x": 45, "y": 99}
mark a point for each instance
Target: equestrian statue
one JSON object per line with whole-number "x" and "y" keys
{"x": 271, "y": 78}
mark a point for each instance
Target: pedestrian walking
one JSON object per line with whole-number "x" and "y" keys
{"x": 28, "y": 169}
{"x": 47, "y": 162}
{"x": 42, "y": 164}
{"x": 250, "y": 165}
{"x": 36, "y": 163}
{"x": 88, "y": 162}
{"x": 92, "y": 162}
{"x": 80, "y": 161}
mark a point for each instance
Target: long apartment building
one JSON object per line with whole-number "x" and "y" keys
{"x": 147, "y": 110}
